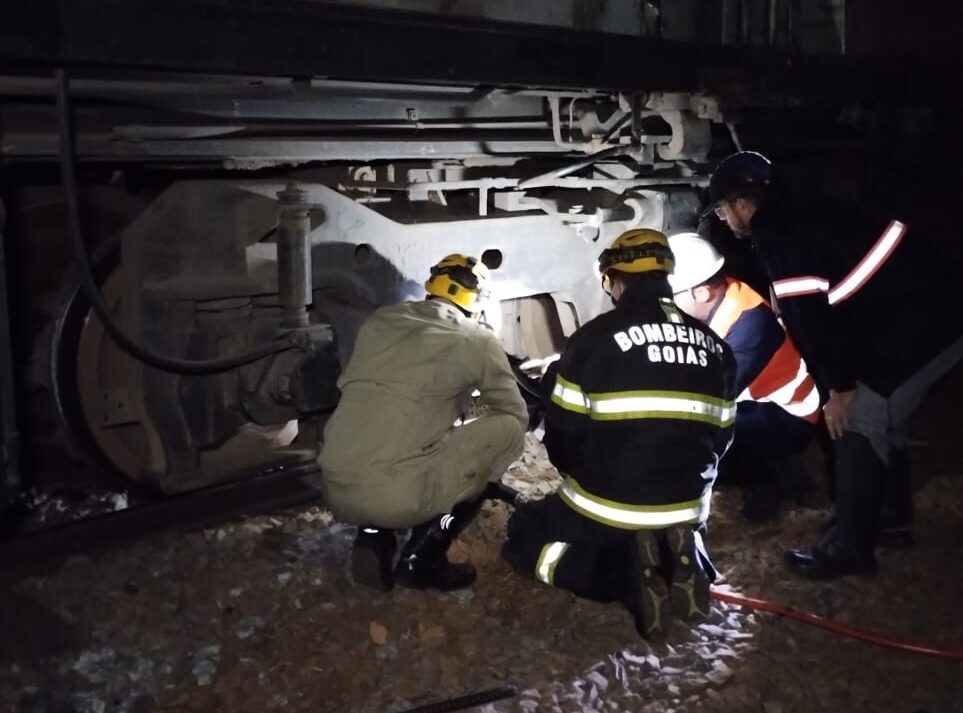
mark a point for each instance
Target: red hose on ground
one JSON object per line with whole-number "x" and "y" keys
{"x": 837, "y": 628}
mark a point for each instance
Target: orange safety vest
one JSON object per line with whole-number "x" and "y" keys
{"x": 785, "y": 380}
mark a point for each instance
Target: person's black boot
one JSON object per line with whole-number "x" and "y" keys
{"x": 689, "y": 591}
{"x": 424, "y": 562}
{"x": 848, "y": 545}
{"x": 859, "y": 490}
{"x": 646, "y": 592}
{"x": 820, "y": 562}
{"x": 372, "y": 558}
{"x": 896, "y": 513}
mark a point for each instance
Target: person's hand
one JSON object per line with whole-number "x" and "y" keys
{"x": 836, "y": 412}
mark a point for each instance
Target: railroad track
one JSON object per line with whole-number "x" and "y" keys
{"x": 281, "y": 486}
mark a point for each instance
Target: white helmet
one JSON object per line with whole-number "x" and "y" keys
{"x": 696, "y": 260}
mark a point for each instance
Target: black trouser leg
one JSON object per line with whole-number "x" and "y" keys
{"x": 896, "y": 513}
{"x": 553, "y": 543}
{"x": 593, "y": 572}
{"x": 897, "y": 509}
{"x": 463, "y": 513}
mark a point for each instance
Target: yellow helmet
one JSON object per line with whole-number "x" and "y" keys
{"x": 638, "y": 250}
{"x": 460, "y": 279}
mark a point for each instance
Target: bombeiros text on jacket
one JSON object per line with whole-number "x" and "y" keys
{"x": 670, "y": 343}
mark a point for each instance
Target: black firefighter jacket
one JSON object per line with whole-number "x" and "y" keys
{"x": 641, "y": 411}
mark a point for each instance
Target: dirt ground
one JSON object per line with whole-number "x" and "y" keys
{"x": 259, "y": 615}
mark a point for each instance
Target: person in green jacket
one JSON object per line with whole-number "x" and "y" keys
{"x": 399, "y": 452}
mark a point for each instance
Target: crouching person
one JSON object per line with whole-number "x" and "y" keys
{"x": 392, "y": 457}
{"x": 641, "y": 411}
{"x": 777, "y": 403}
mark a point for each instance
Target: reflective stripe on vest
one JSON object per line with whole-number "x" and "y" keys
{"x": 632, "y": 405}
{"x": 633, "y": 517}
{"x": 784, "y": 380}
{"x": 548, "y": 560}
{"x": 853, "y": 282}
{"x": 800, "y": 397}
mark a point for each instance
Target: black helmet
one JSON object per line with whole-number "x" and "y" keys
{"x": 736, "y": 175}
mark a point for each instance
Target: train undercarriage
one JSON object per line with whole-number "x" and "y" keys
{"x": 536, "y": 184}
{"x": 227, "y": 210}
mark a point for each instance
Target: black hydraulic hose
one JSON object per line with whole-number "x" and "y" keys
{"x": 92, "y": 291}
{"x": 472, "y": 700}
{"x": 525, "y": 382}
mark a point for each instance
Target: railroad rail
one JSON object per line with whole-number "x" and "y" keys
{"x": 278, "y": 487}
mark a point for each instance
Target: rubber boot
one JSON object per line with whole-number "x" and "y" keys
{"x": 424, "y": 562}
{"x": 896, "y": 513}
{"x": 646, "y": 593}
{"x": 371, "y": 558}
{"x": 689, "y": 592}
{"x": 848, "y": 546}
{"x": 859, "y": 487}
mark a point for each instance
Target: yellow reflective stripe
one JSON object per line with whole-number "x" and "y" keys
{"x": 569, "y": 396}
{"x": 622, "y": 405}
{"x": 548, "y": 560}
{"x": 633, "y": 517}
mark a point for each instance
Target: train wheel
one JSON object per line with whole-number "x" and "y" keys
{"x": 96, "y": 391}
{"x": 49, "y": 322}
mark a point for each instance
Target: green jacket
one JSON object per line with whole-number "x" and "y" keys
{"x": 409, "y": 379}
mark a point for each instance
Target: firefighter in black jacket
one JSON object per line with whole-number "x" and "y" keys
{"x": 642, "y": 410}
{"x": 866, "y": 318}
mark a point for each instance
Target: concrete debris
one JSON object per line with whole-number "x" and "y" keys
{"x": 48, "y": 506}
{"x": 249, "y": 627}
{"x": 205, "y": 664}
{"x": 96, "y": 666}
